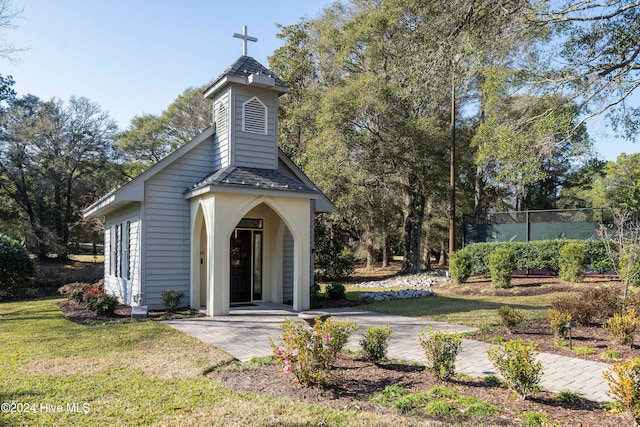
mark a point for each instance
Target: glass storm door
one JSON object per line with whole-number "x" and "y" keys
{"x": 246, "y": 265}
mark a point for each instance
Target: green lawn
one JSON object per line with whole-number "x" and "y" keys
{"x": 477, "y": 311}
{"x": 55, "y": 372}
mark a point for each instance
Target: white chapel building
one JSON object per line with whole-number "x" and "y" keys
{"x": 226, "y": 219}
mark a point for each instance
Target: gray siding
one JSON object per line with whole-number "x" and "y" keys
{"x": 167, "y": 216}
{"x": 287, "y": 267}
{"x": 253, "y": 149}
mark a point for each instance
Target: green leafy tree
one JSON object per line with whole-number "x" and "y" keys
{"x": 50, "y": 155}
{"x": 601, "y": 63}
{"x": 619, "y": 184}
{"x": 150, "y": 137}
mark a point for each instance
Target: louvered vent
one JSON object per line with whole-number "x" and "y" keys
{"x": 221, "y": 119}
{"x": 254, "y": 116}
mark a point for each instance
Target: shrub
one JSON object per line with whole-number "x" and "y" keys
{"x": 604, "y": 301}
{"x": 632, "y": 302}
{"x": 539, "y": 254}
{"x": 535, "y": 419}
{"x": 511, "y": 317}
{"x": 624, "y": 385}
{"x": 515, "y": 361}
{"x": 16, "y": 267}
{"x": 622, "y": 327}
{"x": 74, "y": 291}
{"x": 581, "y": 310}
{"x": 91, "y": 295}
{"x": 441, "y": 350}
{"x": 104, "y": 305}
{"x": 336, "y": 291}
{"x": 171, "y": 299}
{"x": 309, "y": 352}
{"x": 572, "y": 262}
{"x": 460, "y": 267}
{"x": 557, "y": 319}
{"x": 375, "y": 342}
{"x": 584, "y": 350}
{"x": 501, "y": 265}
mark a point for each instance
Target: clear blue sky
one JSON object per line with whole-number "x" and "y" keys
{"x": 136, "y": 56}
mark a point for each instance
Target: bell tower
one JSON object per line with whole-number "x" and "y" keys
{"x": 245, "y": 112}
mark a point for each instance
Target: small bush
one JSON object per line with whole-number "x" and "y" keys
{"x": 74, "y": 291}
{"x": 171, "y": 299}
{"x": 441, "y": 350}
{"x": 557, "y": 319}
{"x": 309, "y": 352}
{"x": 460, "y": 267}
{"x": 501, "y": 265}
{"x": 581, "y": 310}
{"x": 535, "y": 419}
{"x": 16, "y": 267}
{"x": 570, "y": 396}
{"x": 572, "y": 262}
{"x": 408, "y": 403}
{"x": 603, "y": 301}
{"x": 515, "y": 361}
{"x": 624, "y": 385}
{"x": 622, "y": 327}
{"x": 610, "y": 354}
{"x": 90, "y": 297}
{"x": 336, "y": 291}
{"x": 104, "y": 305}
{"x": 584, "y": 350}
{"x": 632, "y": 302}
{"x": 510, "y": 317}
{"x": 375, "y": 342}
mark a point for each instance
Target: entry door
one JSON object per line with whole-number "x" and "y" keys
{"x": 241, "y": 263}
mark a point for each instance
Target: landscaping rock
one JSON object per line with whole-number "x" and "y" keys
{"x": 422, "y": 280}
{"x": 401, "y": 294}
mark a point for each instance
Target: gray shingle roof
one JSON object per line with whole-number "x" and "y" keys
{"x": 254, "y": 178}
{"x": 246, "y": 65}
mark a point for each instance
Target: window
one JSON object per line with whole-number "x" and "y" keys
{"x": 120, "y": 250}
{"x": 254, "y": 116}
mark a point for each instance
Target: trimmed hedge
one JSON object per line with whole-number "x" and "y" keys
{"x": 16, "y": 267}
{"x": 535, "y": 255}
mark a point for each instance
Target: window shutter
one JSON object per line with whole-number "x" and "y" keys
{"x": 254, "y": 116}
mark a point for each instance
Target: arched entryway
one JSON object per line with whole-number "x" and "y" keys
{"x": 258, "y": 249}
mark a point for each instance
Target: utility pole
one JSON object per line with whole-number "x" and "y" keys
{"x": 452, "y": 171}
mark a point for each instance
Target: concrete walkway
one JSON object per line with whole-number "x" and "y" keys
{"x": 246, "y": 331}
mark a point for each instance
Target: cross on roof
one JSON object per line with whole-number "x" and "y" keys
{"x": 245, "y": 38}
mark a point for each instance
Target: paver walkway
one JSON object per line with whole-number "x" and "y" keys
{"x": 246, "y": 331}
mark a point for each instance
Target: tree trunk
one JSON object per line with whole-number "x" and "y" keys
{"x": 412, "y": 236}
{"x": 443, "y": 255}
{"x": 385, "y": 251}
{"x": 371, "y": 256}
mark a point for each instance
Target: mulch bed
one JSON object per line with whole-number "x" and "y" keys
{"x": 594, "y": 336}
{"x": 358, "y": 380}
{"x": 79, "y": 313}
